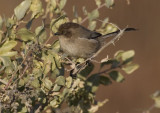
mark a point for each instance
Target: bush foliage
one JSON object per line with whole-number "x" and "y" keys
{"x": 34, "y": 74}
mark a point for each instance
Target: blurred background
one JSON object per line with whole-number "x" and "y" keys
{"x": 133, "y": 95}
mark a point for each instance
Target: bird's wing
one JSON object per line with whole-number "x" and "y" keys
{"x": 94, "y": 35}
{"x": 88, "y": 34}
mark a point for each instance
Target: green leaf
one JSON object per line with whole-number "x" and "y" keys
{"x": 6, "y": 60}
{"x": 92, "y": 25}
{"x": 93, "y": 83}
{"x": 109, "y": 3}
{"x": 94, "y": 108}
{"x": 62, "y": 4}
{"x": 105, "y": 21}
{"x": 9, "y": 22}
{"x": 37, "y": 72}
{"x": 41, "y": 33}
{"x": 9, "y": 54}
{"x": 94, "y": 88}
{"x": 35, "y": 83}
{"x": 75, "y": 11}
{"x": 9, "y": 70}
{"x": 54, "y": 103}
{"x": 80, "y": 60}
{"x": 47, "y": 83}
{"x": 93, "y": 15}
{"x": 127, "y": 55}
{"x": 1, "y": 36}
{"x": 56, "y": 61}
{"x": 114, "y": 63}
{"x": 85, "y": 10}
{"x": 85, "y": 72}
{"x": 130, "y": 68}
{"x": 21, "y": 9}
{"x": 53, "y": 66}
{"x": 117, "y": 76}
{"x": 55, "y": 23}
{"x": 23, "y": 110}
{"x": 1, "y": 22}
{"x": 57, "y": 72}
{"x": 65, "y": 92}
{"x": 53, "y": 4}
{"x": 110, "y": 28}
{"x": 26, "y": 35}
{"x": 156, "y": 98}
{"x": 36, "y": 8}
{"x": 104, "y": 80}
{"x": 47, "y": 68}
{"x": 56, "y": 88}
{"x": 98, "y": 2}
{"x": 60, "y": 80}
{"x": 118, "y": 55}
{"x": 21, "y": 83}
{"x": 69, "y": 81}
{"x": 56, "y": 45}
{"x": 6, "y": 47}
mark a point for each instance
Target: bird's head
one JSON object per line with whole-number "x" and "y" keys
{"x": 67, "y": 29}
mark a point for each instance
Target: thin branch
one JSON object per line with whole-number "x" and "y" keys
{"x": 107, "y": 70}
{"x": 110, "y": 42}
{"x": 78, "y": 69}
{"x": 2, "y": 81}
{"x": 25, "y": 69}
{"x": 86, "y": 18}
{"x": 9, "y": 82}
{"x": 149, "y": 109}
{"x": 51, "y": 35}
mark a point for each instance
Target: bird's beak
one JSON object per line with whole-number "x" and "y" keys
{"x": 57, "y": 33}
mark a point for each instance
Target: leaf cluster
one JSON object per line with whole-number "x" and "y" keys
{"x": 32, "y": 69}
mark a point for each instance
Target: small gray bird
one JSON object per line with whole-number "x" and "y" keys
{"x": 78, "y": 41}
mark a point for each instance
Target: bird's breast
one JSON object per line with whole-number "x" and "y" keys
{"x": 79, "y": 47}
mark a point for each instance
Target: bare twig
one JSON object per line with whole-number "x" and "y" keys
{"x": 51, "y": 35}
{"x": 78, "y": 69}
{"x": 22, "y": 73}
{"x": 110, "y": 42}
{"x": 39, "y": 109}
{"x": 149, "y": 109}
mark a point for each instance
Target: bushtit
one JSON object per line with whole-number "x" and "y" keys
{"x": 77, "y": 41}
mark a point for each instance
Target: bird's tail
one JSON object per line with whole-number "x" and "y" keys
{"x": 116, "y": 32}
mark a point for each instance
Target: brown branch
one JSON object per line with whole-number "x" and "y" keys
{"x": 9, "y": 82}
{"x": 111, "y": 68}
{"x": 149, "y": 109}
{"x": 110, "y": 42}
{"x": 79, "y": 69}
{"x": 25, "y": 69}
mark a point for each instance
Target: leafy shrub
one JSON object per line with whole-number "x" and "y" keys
{"x": 32, "y": 73}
